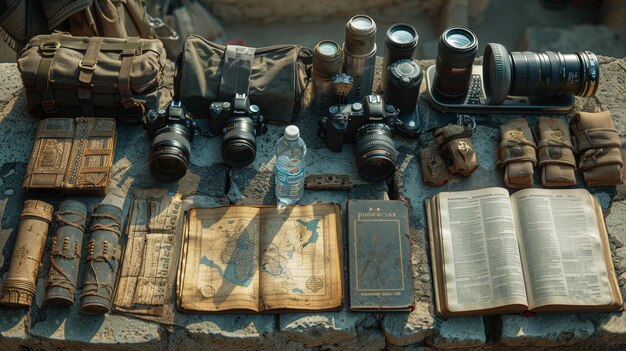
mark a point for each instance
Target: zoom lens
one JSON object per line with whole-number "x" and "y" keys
{"x": 327, "y": 57}
{"x": 169, "y": 153}
{"x": 402, "y": 86}
{"x": 375, "y": 152}
{"x": 455, "y": 57}
{"x": 400, "y": 44}
{"x": 239, "y": 142}
{"x": 359, "y": 51}
{"x": 538, "y": 74}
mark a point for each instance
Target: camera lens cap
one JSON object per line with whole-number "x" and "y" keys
{"x": 496, "y": 73}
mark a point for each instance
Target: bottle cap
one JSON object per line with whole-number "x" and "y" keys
{"x": 292, "y": 132}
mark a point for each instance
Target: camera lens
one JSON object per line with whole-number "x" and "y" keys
{"x": 455, "y": 57}
{"x": 375, "y": 152}
{"x": 359, "y": 50}
{"x": 326, "y": 59}
{"x": 400, "y": 44}
{"x": 239, "y": 142}
{"x": 538, "y": 74}
{"x": 169, "y": 153}
{"x": 403, "y": 85}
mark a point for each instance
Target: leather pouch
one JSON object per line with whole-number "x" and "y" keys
{"x": 555, "y": 153}
{"x": 517, "y": 153}
{"x": 598, "y": 144}
{"x": 66, "y": 76}
{"x": 434, "y": 171}
{"x": 457, "y": 149}
{"x": 71, "y": 157}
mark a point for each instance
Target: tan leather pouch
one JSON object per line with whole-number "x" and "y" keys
{"x": 555, "y": 153}
{"x": 434, "y": 172}
{"x": 598, "y": 144}
{"x": 457, "y": 149}
{"x": 517, "y": 153}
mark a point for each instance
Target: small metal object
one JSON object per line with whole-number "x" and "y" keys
{"x": 555, "y": 153}
{"x": 517, "y": 151}
{"x": 19, "y": 286}
{"x": 327, "y": 182}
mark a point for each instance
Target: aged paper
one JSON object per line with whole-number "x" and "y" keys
{"x": 153, "y": 220}
{"x": 480, "y": 250}
{"x": 562, "y": 248}
{"x": 258, "y": 258}
{"x": 300, "y": 263}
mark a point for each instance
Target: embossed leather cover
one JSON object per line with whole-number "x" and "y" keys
{"x": 555, "y": 153}
{"x": 143, "y": 286}
{"x": 379, "y": 264}
{"x": 18, "y": 288}
{"x": 599, "y": 144}
{"x": 517, "y": 153}
{"x": 71, "y": 157}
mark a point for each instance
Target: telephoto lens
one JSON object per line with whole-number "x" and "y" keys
{"x": 538, "y": 74}
{"x": 455, "y": 58}
{"x": 400, "y": 43}
{"x": 402, "y": 86}
{"x": 375, "y": 152}
{"x": 359, "y": 50}
{"x": 327, "y": 57}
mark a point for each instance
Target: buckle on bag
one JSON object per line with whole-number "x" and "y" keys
{"x": 91, "y": 67}
{"x": 49, "y": 106}
{"x": 49, "y": 47}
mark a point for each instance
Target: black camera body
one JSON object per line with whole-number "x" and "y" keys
{"x": 368, "y": 125}
{"x": 239, "y": 123}
{"x": 345, "y": 120}
{"x": 172, "y": 131}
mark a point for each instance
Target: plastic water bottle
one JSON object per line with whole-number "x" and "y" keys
{"x": 289, "y": 169}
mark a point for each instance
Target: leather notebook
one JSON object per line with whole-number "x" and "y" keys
{"x": 381, "y": 276}
{"x": 71, "y": 156}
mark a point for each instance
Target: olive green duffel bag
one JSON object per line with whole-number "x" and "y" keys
{"x": 274, "y": 77}
{"x": 66, "y": 76}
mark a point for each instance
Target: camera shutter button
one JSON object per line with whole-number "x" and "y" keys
{"x": 357, "y": 106}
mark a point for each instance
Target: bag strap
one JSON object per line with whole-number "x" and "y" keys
{"x": 87, "y": 67}
{"x": 123, "y": 80}
{"x": 236, "y": 71}
{"x": 48, "y": 49}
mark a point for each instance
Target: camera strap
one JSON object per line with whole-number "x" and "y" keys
{"x": 236, "y": 70}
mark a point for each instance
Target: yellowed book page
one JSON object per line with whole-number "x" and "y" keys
{"x": 221, "y": 263}
{"x": 562, "y": 249}
{"x": 481, "y": 259}
{"x": 301, "y": 265}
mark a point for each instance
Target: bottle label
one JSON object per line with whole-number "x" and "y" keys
{"x": 289, "y": 176}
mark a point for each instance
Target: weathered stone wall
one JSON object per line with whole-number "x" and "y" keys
{"x": 260, "y": 11}
{"x": 210, "y": 183}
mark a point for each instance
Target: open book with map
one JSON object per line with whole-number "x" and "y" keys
{"x": 256, "y": 258}
{"x": 543, "y": 250}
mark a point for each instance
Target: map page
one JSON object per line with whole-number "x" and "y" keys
{"x": 258, "y": 258}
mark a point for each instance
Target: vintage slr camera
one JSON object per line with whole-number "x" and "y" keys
{"x": 239, "y": 123}
{"x": 368, "y": 125}
{"x": 171, "y": 131}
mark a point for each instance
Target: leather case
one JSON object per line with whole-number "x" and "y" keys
{"x": 457, "y": 149}
{"x": 19, "y": 286}
{"x": 434, "y": 171}
{"x": 598, "y": 143}
{"x": 71, "y": 157}
{"x": 517, "y": 153}
{"x": 67, "y": 243}
{"x": 555, "y": 153}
